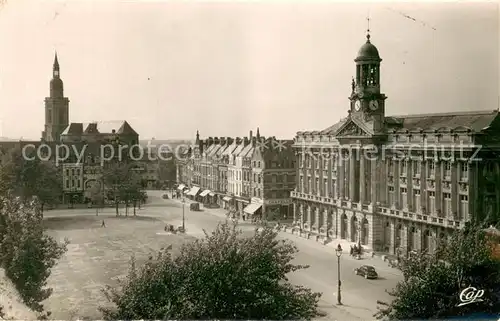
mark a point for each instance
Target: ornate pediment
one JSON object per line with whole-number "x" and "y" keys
{"x": 351, "y": 129}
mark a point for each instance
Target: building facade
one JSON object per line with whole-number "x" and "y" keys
{"x": 223, "y": 169}
{"x": 395, "y": 183}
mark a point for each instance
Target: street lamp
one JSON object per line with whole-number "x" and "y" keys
{"x": 183, "y": 219}
{"x": 338, "y": 251}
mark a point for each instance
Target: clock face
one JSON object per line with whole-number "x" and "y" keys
{"x": 373, "y": 105}
{"x": 357, "y": 105}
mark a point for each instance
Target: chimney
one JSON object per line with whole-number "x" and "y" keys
{"x": 229, "y": 140}
{"x": 251, "y": 136}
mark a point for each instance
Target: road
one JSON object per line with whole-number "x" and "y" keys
{"x": 359, "y": 295}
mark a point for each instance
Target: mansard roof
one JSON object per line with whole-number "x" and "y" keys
{"x": 475, "y": 121}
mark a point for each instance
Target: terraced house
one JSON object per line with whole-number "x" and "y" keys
{"x": 395, "y": 183}
{"x": 222, "y": 171}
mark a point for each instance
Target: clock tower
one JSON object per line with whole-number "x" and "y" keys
{"x": 367, "y": 102}
{"x": 56, "y": 107}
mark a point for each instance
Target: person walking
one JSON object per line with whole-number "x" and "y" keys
{"x": 103, "y": 224}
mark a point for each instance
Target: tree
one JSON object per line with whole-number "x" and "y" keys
{"x": 115, "y": 176}
{"x": 26, "y": 178}
{"x": 26, "y": 253}
{"x": 223, "y": 276}
{"x": 432, "y": 283}
{"x": 96, "y": 196}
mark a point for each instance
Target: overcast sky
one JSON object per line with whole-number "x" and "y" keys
{"x": 170, "y": 68}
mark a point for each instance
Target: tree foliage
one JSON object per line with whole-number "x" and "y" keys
{"x": 26, "y": 253}
{"x": 223, "y": 276}
{"x": 432, "y": 283}
{"x": 30, "y": 177}
{"x": 124, "y": 182}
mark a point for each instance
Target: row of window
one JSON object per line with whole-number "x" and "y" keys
{"x": 74, "y": 183}
{"x": 404, "y": 164}
{"x": 74, "y": 172}
{"x": 463, "y": 211}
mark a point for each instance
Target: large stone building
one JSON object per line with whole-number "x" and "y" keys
{"x": 395, "y": 183}
{"x": 250, "y": 176}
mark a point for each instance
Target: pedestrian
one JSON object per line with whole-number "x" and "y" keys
{"x": 243, "y": 217}
{"x": 351, "y": 251}
{"x": 103, "y": 224}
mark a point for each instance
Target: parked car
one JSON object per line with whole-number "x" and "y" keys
{"x": 367, "y": 271}
{"x": 194, "y": 206}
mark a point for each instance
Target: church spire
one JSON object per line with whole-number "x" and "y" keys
{"x": 55, "y": 67}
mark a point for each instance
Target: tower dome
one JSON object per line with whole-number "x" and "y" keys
{"x": 56, "y": 87}
{"x": 368, "y": 51}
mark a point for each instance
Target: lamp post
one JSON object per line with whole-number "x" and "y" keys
{"x": 338, "y": 251}
{"x": 183, "y": 218}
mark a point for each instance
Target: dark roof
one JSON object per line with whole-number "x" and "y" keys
{"x": 474, "y": 120}
{"x": 368, "y": 51}
{"x": 121, "y": 127}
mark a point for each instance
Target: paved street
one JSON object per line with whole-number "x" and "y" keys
{"x": 358, "y": 294}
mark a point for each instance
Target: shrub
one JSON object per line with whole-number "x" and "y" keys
{"x": 223, "y": 276}
{"x": 26, "y": 253}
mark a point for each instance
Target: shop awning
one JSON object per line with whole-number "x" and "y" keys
{"x": 226, "y": 198}
{"x": 194, "y": 190}
{"x": 211, "y": 194}
{"x": 181, "y": 187}
{"x": 204, "y": 193}
{"x": 252, "y": 208}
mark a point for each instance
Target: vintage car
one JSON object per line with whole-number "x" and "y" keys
{"x": 194, "y": 206}
{"x": 367, "y": 271}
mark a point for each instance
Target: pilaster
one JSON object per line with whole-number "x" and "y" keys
{"x": 418, "y": 238}
{"x": 404, "y": 238}
{"x": 327, "y": 219}
{"x": 294, "y": 212}
{"x": 455, "y": 199}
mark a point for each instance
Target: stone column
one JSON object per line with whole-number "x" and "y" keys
{"x": 391, "y": 241}
{"x": 340, "y": 175}
{"x": 362, "y": 177}
{"x": 455, "y": 199}
{"x": 352, "y": 176}
{"x": 326, "y": 216}
{"x": 309, "y": 220}
{"x": 317, "y": 220}
{"x": 439, "y": 191}
{"x": 409, "y": 184}
{"x": 397, "y": 190}
{"x": 294, "y": 212}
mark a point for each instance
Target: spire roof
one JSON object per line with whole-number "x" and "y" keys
{"x": 56, "y": 62}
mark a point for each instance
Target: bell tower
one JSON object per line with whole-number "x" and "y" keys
{"x": 56, "y": 107}
{"x": 366, "y": 100}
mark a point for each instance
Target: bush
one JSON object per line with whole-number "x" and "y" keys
{"x": 26, "y": 253}
{"x": 223, "y": 276}
{"x": 432, "y": 283}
